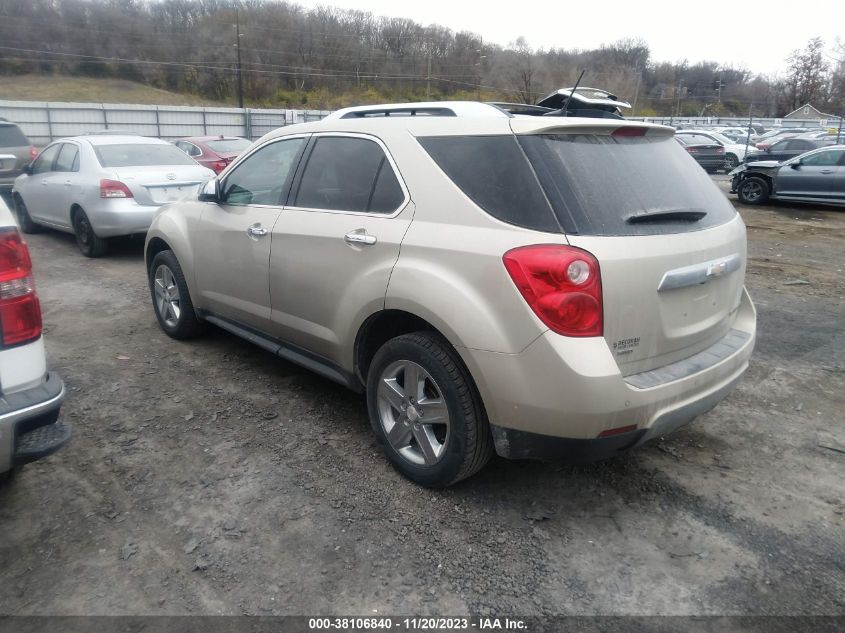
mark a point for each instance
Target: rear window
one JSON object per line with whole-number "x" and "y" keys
{"x": 229, "y": 145}
{"x": 11, "y": 136}
{"x": 585, "y": 184}
{"x": 141, "y": 155}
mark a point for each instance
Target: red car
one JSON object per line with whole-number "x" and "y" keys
{"x": 214, "y": 152}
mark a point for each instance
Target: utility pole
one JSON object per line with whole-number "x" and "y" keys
{"x": 637, "y": 91}
{"x": 839, "y": 131}
{"x": 679, "y": 98}
{"x": 428, "y": 78}
{"x": 237, "y": 26}
{"x": 719, "y": 89}
{"x": 750, "y": 120}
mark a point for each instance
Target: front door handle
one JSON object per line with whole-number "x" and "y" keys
{"x": 827, "y": 171}
{"x": 44, "y": 182}
{"x": 360, "y": 237}
{"x": 256, "y": 230}
{"x": 68, "y": 183}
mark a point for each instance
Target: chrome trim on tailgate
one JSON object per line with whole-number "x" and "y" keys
{"x": 722, "y": 349}
{"x": 699, "y": 273}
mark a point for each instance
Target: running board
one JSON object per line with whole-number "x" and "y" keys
{"x": 311, "y": 362}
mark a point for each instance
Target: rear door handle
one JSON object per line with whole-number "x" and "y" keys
{"x": 256, "y": 230}
{"x": 360, "y": 237}
{"x": 68, "y": 183}
{"x": 44, "y": 182}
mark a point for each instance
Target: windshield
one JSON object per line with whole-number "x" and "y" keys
{"x": 722, "y": 138}
{"x": 596, "y": 183}
{"x": 228, "y": 145}
{"x": 141, "y": 155}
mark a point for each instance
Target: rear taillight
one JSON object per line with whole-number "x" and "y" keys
{"x": 562, "y": 284}
{"x": 114, "y": 189}
{"x": 20, "y": 312}
{"x": 219, "y": 165}
{"x": 692, "y": 150}
{"x": 33, "y": 153}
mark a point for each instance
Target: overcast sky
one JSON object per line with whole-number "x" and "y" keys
{"x": 758, "y": 36}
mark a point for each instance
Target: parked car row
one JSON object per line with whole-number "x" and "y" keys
{"x": 105, "y": 184}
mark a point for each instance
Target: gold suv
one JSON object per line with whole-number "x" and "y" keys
{"x": 541, "y": 287}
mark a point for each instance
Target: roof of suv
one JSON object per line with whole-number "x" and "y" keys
{"x": 448, "y": 118}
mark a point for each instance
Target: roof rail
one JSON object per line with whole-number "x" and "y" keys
{"x": 432, "y": 108}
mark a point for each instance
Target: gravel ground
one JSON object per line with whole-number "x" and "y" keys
{"x": 212, "y": 478}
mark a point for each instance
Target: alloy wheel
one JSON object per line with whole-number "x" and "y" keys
{"x": 752, "y": 191}
{"x": 168, "y": 301}
{"x": 413, "y": 413}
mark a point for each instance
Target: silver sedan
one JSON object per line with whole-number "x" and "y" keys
{"x": 99, "y": 186}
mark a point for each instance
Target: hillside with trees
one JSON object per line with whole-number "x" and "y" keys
{"x": 326, "y": 58}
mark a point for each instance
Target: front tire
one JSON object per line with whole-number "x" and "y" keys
{"x": 24, "y": 220}
{"x": 426, "y": 412}
{"x": 753, "y": 190}
{"x": 171, "y": 299}
{"x": 90, "y": 244}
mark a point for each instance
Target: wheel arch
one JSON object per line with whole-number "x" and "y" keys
{"x": 386, "y": 324}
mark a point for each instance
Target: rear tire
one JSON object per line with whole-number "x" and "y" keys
{"x": 24, "y": 220}
{"x": 731, "y": 162}
{"x": 433, "y": 430}
{"x": 753, "y": 190}
{"x": 171, "y": 299}
{"x": 90, "y": 244}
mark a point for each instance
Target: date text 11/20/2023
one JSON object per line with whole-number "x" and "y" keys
{"x": 417, "y": 624}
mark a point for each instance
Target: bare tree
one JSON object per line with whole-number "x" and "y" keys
{"x": 807, "y": 79}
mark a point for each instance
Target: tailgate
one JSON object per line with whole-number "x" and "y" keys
{"x": 668, "y": 297}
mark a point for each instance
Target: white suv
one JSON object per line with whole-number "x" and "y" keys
{"x": 30, "y": 396}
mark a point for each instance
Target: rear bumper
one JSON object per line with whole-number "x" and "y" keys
{"x": 28, "y": 423}
{"x": 120, "y": 216}
{"x": 555, "y": 398}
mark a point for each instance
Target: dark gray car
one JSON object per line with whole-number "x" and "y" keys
{"x": 817, "y": 176}
{"x": 15, "y": 152}
{"x": 786, "y": 149}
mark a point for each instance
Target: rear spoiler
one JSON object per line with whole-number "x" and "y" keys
{"x": 575, "y": 125}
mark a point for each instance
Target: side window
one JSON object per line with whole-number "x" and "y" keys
{"x": 68, "y": 158}
{"x": 261, "y": 178}
{"x": 182, "y": 145}
{"x": 349, "y": 174}
{"x": 824, "y": 159}
{"x": 193, "y": 150}
{"x": 44, "y": 162}
{"x": 780, "y": 146}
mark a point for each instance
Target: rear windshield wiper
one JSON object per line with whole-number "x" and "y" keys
{"x": 669, "y": 215}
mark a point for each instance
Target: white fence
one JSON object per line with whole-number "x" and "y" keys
{"x": 43, "y": 122}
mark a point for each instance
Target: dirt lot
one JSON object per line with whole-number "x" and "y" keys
{"x": 212, "y": 478}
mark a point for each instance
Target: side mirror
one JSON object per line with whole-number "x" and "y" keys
{"x": 27, "y": 169}
{"x": 210, "y": 191}
{"x": 796, "y": 165}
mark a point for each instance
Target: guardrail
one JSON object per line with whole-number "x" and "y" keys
{"x": 43, "y": 122}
